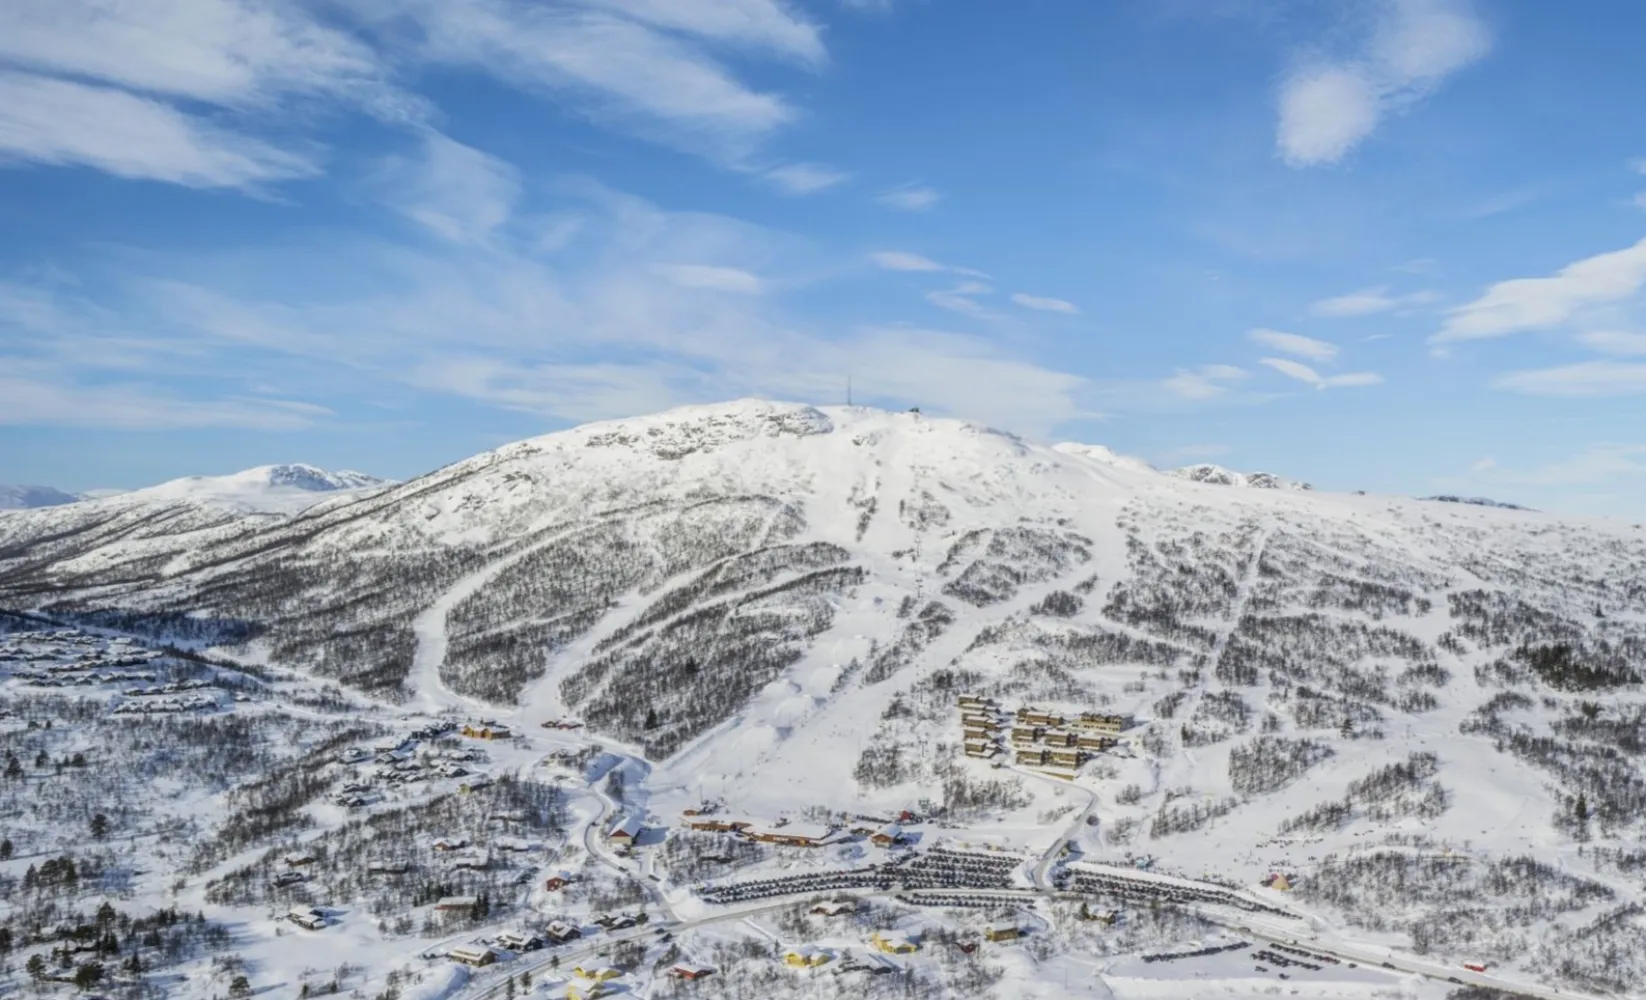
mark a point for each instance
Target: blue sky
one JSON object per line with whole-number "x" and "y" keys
{"x": 1392, "y": 245}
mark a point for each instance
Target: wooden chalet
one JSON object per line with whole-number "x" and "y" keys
{"x": 474, "y": 955}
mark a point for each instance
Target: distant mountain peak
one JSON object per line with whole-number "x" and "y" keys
{"x": 29, "y": 497}
{"x": 1217, "y": 475}
{"x": 309, "y": 477}
{"x": 1475, "y": 501}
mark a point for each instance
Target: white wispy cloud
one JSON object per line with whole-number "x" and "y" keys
{"x": 457, "y": 191}
{"x": 1584, "y": 379}
{"x": 1294, "y": 343}
{"x": 1329, "y": 105}
{"x": 1303, "y": 373}
{"x": 232, "y": 53}
{"x": 1205, "y": 382}
{"x": 960, "y": 299}
{"x": 1540, "y": 303}
{"x": 712, "y": 278}
{"x": 910, "y": 198}
{"x": 1368, "y": 302}
{"x": 648, "y": 67}
{"x": 51, "y": 121}
{"x": 770, "y": 25}
{"x": 1614, "y": 341}
{"x": 805, "y": 178}
{"x": 151, "y": 69}
{"x": 899, "y": 260}
{"x": 653, "y": 309}
{"x": 40, "y": 396}
{"x": 1044, "y": 304}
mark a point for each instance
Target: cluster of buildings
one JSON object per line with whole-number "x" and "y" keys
{"x": 882, "y": 833}
{"x": 1036, "y": 737}
{"x": 405, "y": 762}
{"x": 60, "y": 658}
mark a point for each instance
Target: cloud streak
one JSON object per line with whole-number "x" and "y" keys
{"x": 1367, "y": 302}
{"x": 1293, "y": 343}
{"x": 910, "y": 198}
{"x": 1582, "y": 380}
{"x": 1043, "y": 304}
{"x": 1303, "y": 373}
{"x": 1329, "y": 106}
{"x": 1525, "y": 304}
{"x": 56, "y": 122}
{"x": 805, "y": 178}
{"x": 1205, "y": 382}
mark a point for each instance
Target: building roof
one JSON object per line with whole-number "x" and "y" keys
{"x": 799, "y": 831}
{"x": 629, "y": 826}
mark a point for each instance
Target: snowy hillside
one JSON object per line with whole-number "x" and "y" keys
{"x": 26, "y": 497}
{"x": 1218, "y": 475}
{"x": 266, "y": 489}
{"x": 1428, "y": 716}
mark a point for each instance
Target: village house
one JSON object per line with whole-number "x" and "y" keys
{"x": 688, "y": 970}
{"x": 1094, "y": 741}
{"x": 520, "y": 940}
{"x": 625, "y": 830}
{"x": 987, "y": 722}
{"x": 387, "y": 867}
{"x": 297, "y": 860}
{"x": 893, "y": 943}
{"x": 450, "y": 844}
{"x": 1031, "y": 757}
{"x": 1098, "y": 722}
{"x": 554, "y": 883}
{"x": 472, "y": 955}
{"x": 1037, "y": 717}
{"x": 475, "y": 784}
{"x": 792, "y": 835}
{"x": 970, "y": 700}
{"x": 474, "y": 861}
{"x": 981, "y": 748}
{"x": 806, "y": 957}
{"x": 889, "y": 835}
{"x": 717, "y": 824}
{"x": 559, "y": 932}
{"x": 486, "y": 731}
{"x": 284, "y": 879}
{"x": 588, "y": 991}
{"x": 1058, "y": 738}
{"x": 1066, "y": 758}
{"x": 1002, "y": 932}
{"x": 452, "y": 907}
{"x": 835, "y": 908}
{"x": 597, "y": 973}
{"x": 872, "y": 964}
{"x": 1025, "y": 735}
{"x": 307, "y": 917}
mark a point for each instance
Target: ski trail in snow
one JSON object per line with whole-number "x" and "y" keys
{"x": 1214, "y": 656}
{"x": 433, "y": 638}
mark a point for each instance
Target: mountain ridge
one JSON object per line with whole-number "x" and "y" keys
{"x": 783, "y": 602}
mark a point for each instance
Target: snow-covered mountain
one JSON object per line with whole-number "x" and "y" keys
{"x": 266, "y": 489}
{"x": 1219, "y": 476}
{"x": 1475, "y": 501}
{"x": 1424, "y": 709}
{"x": 26, "y": 497}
